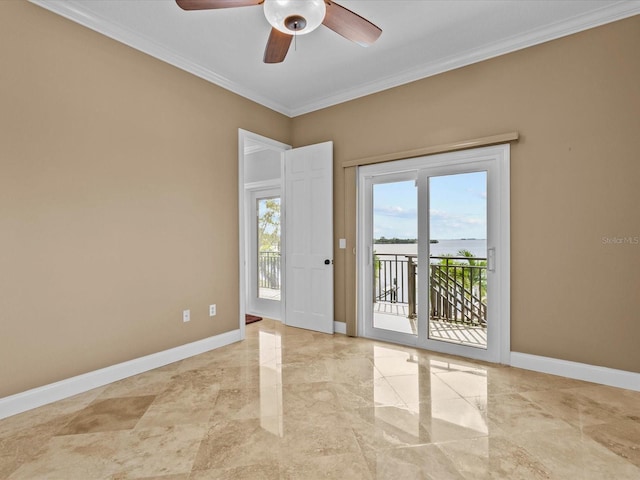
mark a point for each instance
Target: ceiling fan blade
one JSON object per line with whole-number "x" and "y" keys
{"x": 350, "y": 25}
{"x": 211, "y": 4}
{"x": 277, "y": 46}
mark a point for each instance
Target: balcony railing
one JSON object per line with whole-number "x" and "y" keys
{"x": 269, "y": 270}
{"x": 457, "y": 286}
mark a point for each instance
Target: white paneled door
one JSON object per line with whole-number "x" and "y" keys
{"x": 308, "y": 206}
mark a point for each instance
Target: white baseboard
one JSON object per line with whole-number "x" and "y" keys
{"x": 579, "y": 371}
{"x": 340, "y": 327}
{"x": 21, "y": 402}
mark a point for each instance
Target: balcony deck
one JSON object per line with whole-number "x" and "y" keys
{"x": 394, "y": 317}
{"x": 269, "y": 293}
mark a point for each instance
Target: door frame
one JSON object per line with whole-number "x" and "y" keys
{"x": 500, "y": 155}
{"x": 244, "y": 138}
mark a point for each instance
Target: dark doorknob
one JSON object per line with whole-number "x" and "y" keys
{"x": 327, "y": 261}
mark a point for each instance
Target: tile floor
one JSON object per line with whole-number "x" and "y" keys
{"x": 289, "y": 403}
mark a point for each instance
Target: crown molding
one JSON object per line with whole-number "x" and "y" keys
{"x": 72, "y": 10}
{"x": 608, "y": 14}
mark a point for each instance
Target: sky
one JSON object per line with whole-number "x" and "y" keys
{"x": 457, "y": 207}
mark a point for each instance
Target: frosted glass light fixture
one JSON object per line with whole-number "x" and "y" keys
{"x": 297, "y": 17}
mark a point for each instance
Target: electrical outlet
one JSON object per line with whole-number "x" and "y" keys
{"x": 186, "y": 315}
{"x": 212, "y": 310}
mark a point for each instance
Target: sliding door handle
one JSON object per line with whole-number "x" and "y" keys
{"x": 491, "y": 259}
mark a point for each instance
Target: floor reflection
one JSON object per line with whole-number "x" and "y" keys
{"x": 455, "y": 413}
{"x": 446, "y": 398}
{"x": 270, "y": 354}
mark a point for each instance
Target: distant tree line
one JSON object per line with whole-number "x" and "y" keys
{"x": 395, "y": 240}
{"x": 383, "y": 240}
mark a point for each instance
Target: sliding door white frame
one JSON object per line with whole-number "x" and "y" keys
{"x": 495, "y": 160}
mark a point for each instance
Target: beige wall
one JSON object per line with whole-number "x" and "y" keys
{"x": 575, "y": 176}
{"x": 118, "y": 200}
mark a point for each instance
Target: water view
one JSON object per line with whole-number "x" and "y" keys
{"x": 444, "y": 247}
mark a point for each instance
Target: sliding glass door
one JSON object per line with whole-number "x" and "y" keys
{"x": 430, "y": 234}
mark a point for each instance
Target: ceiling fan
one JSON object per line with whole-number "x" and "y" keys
{"x": 298, "y": 17}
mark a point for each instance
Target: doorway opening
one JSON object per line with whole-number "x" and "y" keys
{"x": 265, "y": 257}
{"x": 267, "y": 249}
{"x": 286, "y": 232}
{"x": 261, "y": 229}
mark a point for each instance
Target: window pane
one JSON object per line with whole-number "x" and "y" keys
{"x": 269, "y": 248}
{"x": 458, "y": 259}
{"x": 395, "y": 260}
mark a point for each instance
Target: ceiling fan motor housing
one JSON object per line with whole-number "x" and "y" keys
{"x": 295, "y": 16}
{"x": 295, "y": 22}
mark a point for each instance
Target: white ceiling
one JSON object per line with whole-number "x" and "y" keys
{"x": 420, "y": 38}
